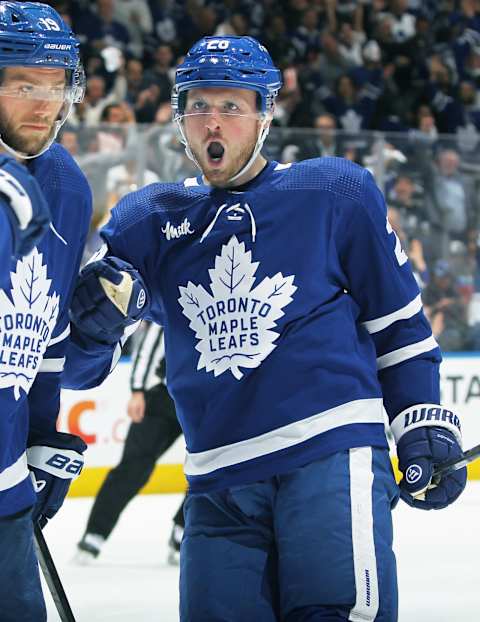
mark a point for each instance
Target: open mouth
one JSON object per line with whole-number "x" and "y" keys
{"x": 215, "y": 152}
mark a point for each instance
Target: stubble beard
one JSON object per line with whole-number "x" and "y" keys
{"x": 20, "y": 139}
{"x": 221, "y": 176}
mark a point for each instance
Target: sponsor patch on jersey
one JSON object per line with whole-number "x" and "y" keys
{"x": 234, "y": 324}
{"x": 173, "y": 232}
{"x": 27, "y": 319}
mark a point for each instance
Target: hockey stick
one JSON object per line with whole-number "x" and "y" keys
{"x": 449, "y": 466}
{"x": 51, "y": 576}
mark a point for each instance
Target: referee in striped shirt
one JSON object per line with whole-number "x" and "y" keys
{"x": 153, "y": 430}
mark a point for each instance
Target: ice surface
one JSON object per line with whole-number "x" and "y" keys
{"x": 437, "y": 553}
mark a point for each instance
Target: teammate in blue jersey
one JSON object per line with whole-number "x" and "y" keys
{"x": 291, "y": 320}
{"x": 45, "y": 210}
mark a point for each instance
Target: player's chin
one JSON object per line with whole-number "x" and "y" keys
{"x": 32, "y": 145}
{"x": 216, "y": 177}
{"x": 214, "y": 173}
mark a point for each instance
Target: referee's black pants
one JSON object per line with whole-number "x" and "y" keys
{"x": 145, "y": 443}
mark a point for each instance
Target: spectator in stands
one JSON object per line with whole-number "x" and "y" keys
{"x": 402, "y": 21}
{"x": 306, "y": 37}
{"x": 330, "y": 61}
{"x": 345, "y": 10}
{"x": 135, "y": 80}
{"x": 198, "y": 21}
{"x": 322, "y": 142}
{"x": 425, "y": 129}
{"x": 351, "y": 43}
{"x": 458, "y": 110}
{"x": 160, "y": 72}
{"x": 451, "y": 198}
{"x": 422, "y": 140}
{"x": 445, "y": 309}
{"x": 472, "y": 64}
{"x": 166, "y": 155}
{"x": 89, "y": 112}
{"x": 147, "y": 103}
{"x": 276, "y": 39}
{"x": 289, "y": 97}
{"x": 407, "y": 197}
{"x": 369, "y": 73}
{"x": 412, "y": 245}
{"x": 99, "y": 27}
{"x": 136, "y": 17}
{"x": 236, "y": 24}
{"x": 120, "y": 128}
{"x": 352, "y": 108}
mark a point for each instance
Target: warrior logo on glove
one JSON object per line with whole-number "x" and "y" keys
{"x": 413, "y": 474}
{"x": 426, "y": 436}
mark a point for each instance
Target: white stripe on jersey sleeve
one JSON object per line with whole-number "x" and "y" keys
{"x": 405, "y": 313}
{"x": 14, "y": 474}
{"x": 116, "y": 357}
{"x": 117, "y": 353}
{"x": 407, "y": 352}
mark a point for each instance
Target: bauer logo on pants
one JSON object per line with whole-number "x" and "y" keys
{"x": 234, "y": 323}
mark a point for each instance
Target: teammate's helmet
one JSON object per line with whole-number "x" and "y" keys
{"x": 230, "y": 61}
{"x": 34, "y": 35}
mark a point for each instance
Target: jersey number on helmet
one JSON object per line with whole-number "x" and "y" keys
{"x": 48, "y": 23}
{"x": 218, "y": 44}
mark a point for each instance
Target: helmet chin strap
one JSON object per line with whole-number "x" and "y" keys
{"x": 262, "y": 135}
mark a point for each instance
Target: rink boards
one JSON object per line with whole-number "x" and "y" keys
{"x": 99, "y": 416}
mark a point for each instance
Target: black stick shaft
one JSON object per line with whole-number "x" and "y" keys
{"x": 453, "y": 465}
{"x": 51, "y": 577}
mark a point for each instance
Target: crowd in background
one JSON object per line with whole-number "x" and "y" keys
{"x": 390, "y": 84}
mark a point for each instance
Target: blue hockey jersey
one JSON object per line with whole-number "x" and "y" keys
{"x": 290, "y": 314}
{"x": 34, "y": 324}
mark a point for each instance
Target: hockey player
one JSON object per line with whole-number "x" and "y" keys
{"x": 45, "y": 209}
{"x": 291, "y": 319}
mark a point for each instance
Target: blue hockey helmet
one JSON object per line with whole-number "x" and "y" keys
{"x": 34, "y": 35}
{"x": 229, "y": 61}
{"x": 226, "y": 62}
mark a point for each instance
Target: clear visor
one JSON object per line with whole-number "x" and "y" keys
{"x": 70, "y": 94}
{"x": 222, "y": 114}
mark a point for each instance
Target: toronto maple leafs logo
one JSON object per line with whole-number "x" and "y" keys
{"x": 27, "y": 319}
{"x": 234, "y": 324}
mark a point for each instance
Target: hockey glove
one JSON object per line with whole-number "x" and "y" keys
{"x": 110, "y": 295}
{"x": 427, "y": 435}
{"x": 25, "y": 206}
{"x": 54, "y": 462}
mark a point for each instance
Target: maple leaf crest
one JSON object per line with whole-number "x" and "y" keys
{"x": 27, "y": 319}
{"x": 234, "y": 324}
